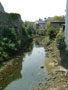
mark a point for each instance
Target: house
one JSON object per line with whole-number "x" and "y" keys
{"x": 58, "y": 24}
{"x": 41, "y": 23}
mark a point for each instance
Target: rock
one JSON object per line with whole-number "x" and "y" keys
{"x": 42, "y": 67}
{"x": 40, "y": 83}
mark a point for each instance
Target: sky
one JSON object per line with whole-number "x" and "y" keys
{"x": 31, "y": 10}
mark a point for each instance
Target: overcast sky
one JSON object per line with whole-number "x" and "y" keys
{"x": 34, "y": 9}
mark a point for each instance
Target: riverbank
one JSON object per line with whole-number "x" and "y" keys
{"x": 11, "y": 70}
{"x": 15, "y": 72}
{"x": 59, "y": 74}
{"x": 24, "y": 48}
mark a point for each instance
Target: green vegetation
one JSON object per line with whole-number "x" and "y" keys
{"x": 56, "y": 18}
{"x": 10, "y": 72}
{"x": 57, "y": 58}
{"x": 47, "y": 40}
{"x": 10, "y": 39}
{"x": 29, "y": 29}
{"x": 13, "y": 16}
{"x": 57, "y": 36}
{"x": 40, "y": 32}
{"x": 9, "y": 43}
{"x": 51, "y": 31}
{"x": 60, "y": 40}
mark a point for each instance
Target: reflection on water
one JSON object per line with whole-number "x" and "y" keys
{"x": 10, "y": 72}
{"x": 26, "y": 73}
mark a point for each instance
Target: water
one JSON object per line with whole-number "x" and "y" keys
{"x": 28, "y": 72}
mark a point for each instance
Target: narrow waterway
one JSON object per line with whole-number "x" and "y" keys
{"x": 28, "y": 72}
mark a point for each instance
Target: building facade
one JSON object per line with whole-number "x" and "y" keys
{"x": 58, "y": 24}
{"x": 40, "y": 24}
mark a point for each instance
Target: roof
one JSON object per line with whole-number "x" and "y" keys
{"x": 60, "y": 22}
{"x": 63, "y": 24}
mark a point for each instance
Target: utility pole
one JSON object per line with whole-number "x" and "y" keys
{"x": 66, "y": 25}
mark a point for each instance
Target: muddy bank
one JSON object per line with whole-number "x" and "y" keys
{"x": 10, "y": 71}
{"x": 59, "y": 74}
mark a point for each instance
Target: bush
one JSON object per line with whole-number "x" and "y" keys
{"x": 13, "y": 16}
{"x": 40, "y": 32}
{"x": 52, "y": 32}
{"x": 10, "y": 33}
{"x": 60, "y": 39}
{"x": 47, "y": 40}
{"x": 55, "y": 18}
{"x": 28, "y": 26}
{"x": 9, "y": 43}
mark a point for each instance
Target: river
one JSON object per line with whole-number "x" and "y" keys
{"x": 25, "y": 73}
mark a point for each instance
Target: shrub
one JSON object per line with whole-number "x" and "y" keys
{"x": 9, "y": 33}
{"x": 52, "y": 32}
{"x": 55, "y": 18}
{"x": 47, "y": 40}
{"x": 5, "y": 55}
{"x": 60, "y": 39}
{"x": 9, "y": 42}
{"x": 29, "y": 28}
{"x": 40, "y": 32}
{"x": 13, "y": 16}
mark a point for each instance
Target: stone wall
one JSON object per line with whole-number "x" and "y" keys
{"x": 13, "y": 23}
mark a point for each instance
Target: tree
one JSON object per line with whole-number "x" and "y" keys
{"x": 56, "y": 18}
{"x": 29, "y": 27}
